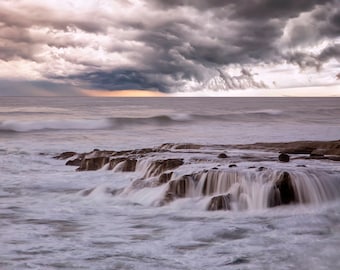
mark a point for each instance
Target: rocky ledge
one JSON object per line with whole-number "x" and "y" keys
{"x": 228, "y": 177}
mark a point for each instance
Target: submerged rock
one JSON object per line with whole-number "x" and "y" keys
{"x": 93, "y": 164}
{"x": 159, "y": 166}
{"x": 165, "y": 177}
{"x": 316, "y": 156}
{"x": 220, "y": 202}
{"x": 74, "y": 162}
{"x": 179, "y": 188}
{"x": 129, "y": 165}
{"x": 65, "y": 155}
{"x": 188, "y": 146}
{"x": 222, "y": 155}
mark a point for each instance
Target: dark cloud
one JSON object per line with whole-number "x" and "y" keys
{"x": 117, "y": 80}
{"x": 269, "y": 9}
{"x": 36, "y": 88}
{"x": 250, "y": 10}
{"x": 166, "y": 44}
{"x": 312, "y": 60}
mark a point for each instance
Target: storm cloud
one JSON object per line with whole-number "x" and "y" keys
{"x": 168, "y": 46}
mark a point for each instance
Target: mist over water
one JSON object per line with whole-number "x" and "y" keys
{"x": 50, "y": 220}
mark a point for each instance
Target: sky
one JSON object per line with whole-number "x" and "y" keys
{"x": 170, "y": 48}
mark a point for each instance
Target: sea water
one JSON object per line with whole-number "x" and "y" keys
{"x": 46, "y": 222}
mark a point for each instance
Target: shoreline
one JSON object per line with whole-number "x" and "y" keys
{"x": 227, "y": 177}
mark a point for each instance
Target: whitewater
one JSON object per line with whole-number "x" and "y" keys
{"x": 54, "y": 217}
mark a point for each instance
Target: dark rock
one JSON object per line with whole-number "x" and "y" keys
{"x": 74, "y": 162}
{"x": 232, "y": 165}
{"x": 159, "y": 166}
{"x": 334, "y": 158}
{"x": 251, "y": 167}
{"x": 115, "y": 192}
{"x": 211, "y": 182}
{"x": 93, "y": 164}
{"x": 114, "y": 162}
{"x": 129, "y": 165}
{"x": 220, "y": 202}
{"x": 301, "y": 166}
{"x": 283, "y": 157}
{"x": 65, "y": 155}
{"x": 179, "y": 188}
{"x": 188, "y": 146}
{"x": 306, "y": 150}
{"x": 222, "y": 155}
{"x": 214, "y": 168}
{"x": 99, "y": 153}
{"x": 260, "y": 169}
{"x": 87, "y": 192}
{"x": 283, "y": 191}
{"x": 316, "y": 156}
{"x": 143, "y": 151}
{"x": 165, "y": 177}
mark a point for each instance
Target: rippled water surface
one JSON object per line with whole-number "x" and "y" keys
{"x": 46, "y": 222}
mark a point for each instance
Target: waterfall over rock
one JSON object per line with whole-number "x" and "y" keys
{"x": 247, "y": 178}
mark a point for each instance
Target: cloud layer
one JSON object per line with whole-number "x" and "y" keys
{"x": 168, "y": 46}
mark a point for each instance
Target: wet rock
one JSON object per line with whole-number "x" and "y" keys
{"x": 87, "y": 192}
{"x": 306, "y": 150}
{"x": 129, "y": 165}
{"x": 74, "y": 162}
{"x": 220, "y": 202}
{"x": 334, "y": 158}
{"x": 222, "y": 155}
{"x": 283, "y": 157}
{"x": 211, "y": 182}
{"x": 261, "y": 169}
{"x": 165, "y": 177}
{"x": 316, "y": 156}
{"x": 143, "y": 151}
{"x": 301, "y": 166}
{"x": 65, "y": 155}
{"x": 123, "y": 164}
{"x": 159, "y": 166}
{"x": 115, "y": 192}
{"x": 114, "y": 162}
{"x": 99, "y": 153}
{"x": 188, "y": 146}
{"x": 283, "y": 191}
{"x": 232, "y": 166}
{"x": 180, "y": 187}
{"x": 93, "y": 164}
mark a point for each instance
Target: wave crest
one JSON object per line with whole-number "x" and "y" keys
{"x": 114, "y": 122}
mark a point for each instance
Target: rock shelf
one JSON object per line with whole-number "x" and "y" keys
{"x": 228, "y": 177}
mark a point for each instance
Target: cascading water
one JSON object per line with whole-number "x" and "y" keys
{"x": 243, "y": 189}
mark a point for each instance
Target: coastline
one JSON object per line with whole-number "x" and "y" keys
{"x": 226, "y": 177}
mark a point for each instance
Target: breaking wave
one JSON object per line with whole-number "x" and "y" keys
{"x": 27, "y": 126}
{"x": 112, "y": 123}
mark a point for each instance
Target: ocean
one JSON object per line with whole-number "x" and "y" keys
{"x": 46, "y": 221}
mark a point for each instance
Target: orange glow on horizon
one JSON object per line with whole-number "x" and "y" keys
{"x": 123, "y": 93}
